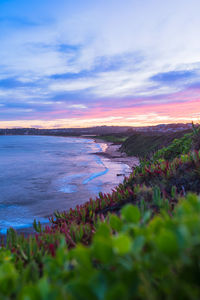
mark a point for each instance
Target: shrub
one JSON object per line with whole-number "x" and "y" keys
{"x": 130, "y": 257}
{"x": 175, "y": 149}
{"x": 109, "y": 249}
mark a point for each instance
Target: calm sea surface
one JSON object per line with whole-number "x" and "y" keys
{"x": 41, "y": 174}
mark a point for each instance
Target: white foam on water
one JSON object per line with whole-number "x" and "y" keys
{"x": 41, "y": 174}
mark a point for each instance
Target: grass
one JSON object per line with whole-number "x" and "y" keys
{"x": 145, "y": 144}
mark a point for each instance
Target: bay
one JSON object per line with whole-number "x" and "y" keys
{"x": 42, "y": 174}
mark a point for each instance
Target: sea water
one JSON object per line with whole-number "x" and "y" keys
{"x": 42, "y": 174}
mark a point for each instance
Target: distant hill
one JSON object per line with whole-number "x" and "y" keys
{"x": 97, "y": 130}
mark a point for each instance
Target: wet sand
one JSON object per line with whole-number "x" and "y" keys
{"x": 112, "y": 152}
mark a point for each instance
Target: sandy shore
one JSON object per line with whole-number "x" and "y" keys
{"x": 112, "y": 152}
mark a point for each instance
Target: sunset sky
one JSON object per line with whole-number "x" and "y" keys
{"x": 77, "y": 63}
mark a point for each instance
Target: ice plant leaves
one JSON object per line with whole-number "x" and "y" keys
{"x": 131, "y": 213}
{"x": 166, "y": 241}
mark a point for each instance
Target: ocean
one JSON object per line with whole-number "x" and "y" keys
{"x": 42, "y": 174}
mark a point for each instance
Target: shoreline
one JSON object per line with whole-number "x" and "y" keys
{"x": 110, "y": 151}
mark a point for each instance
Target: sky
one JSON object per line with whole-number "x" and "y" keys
{"x": 75, "y": 63}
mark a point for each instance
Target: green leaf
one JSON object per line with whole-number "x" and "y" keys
{"x": 115, "y": 223}
{"x": 80, "y": 291}
{"x": 8, "y": 278}
{"x": 44, "y": 288}
{"x": 102, "y": 249}
{"x": 167, "y": 243}
{"x": 122, "y": 244}
{"x": 30, "y": 292}
{"x": 131, "y": 213}
{"x": 146, "y": 217}
{"x": 82, "y": 255}
{"x": 103, "y": 230}
{"x": 138, "y": 244}
{"x": 117, "y": 291}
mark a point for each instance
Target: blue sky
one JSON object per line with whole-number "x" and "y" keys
{"x": 83, "y": 63}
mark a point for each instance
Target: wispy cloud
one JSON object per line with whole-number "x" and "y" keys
{"x": 78, "y": 106}
{"x": 67, "y": 59}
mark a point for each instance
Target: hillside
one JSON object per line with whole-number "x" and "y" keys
{"x": 144, "y": 144}
{"x": 139, "y": 242}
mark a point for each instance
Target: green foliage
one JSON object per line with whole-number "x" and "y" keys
{"x": 159, "y": 260}
{"x": 175, "y": 149}
{"x": 180, "y": 146}
{"x": 144, "y": 144}
{"x": 153, "y": 189}
{"x": 37, "y": 226}
{"x": 131, "y": 213}
{"x": 109, "y": 248}
{"x": 196, "y": 137}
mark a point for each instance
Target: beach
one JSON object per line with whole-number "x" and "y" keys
{"x": 105, "y": 171}
{"x": 111, "y": 151}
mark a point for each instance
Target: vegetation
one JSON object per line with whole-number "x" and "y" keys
{"x": 142, "y": 241}
{"x": 190, "y": 141}
{"x": 143, "y": 144}
{"x": 132, "y": 256}
{"x": 176, "y": 148}
{"x": 114, "y": 138}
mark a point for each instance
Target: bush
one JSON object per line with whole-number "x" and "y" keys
{"x": 175, "y": 149}
{"x": 130, "y": 257}
{"x": 190, "y": 141}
